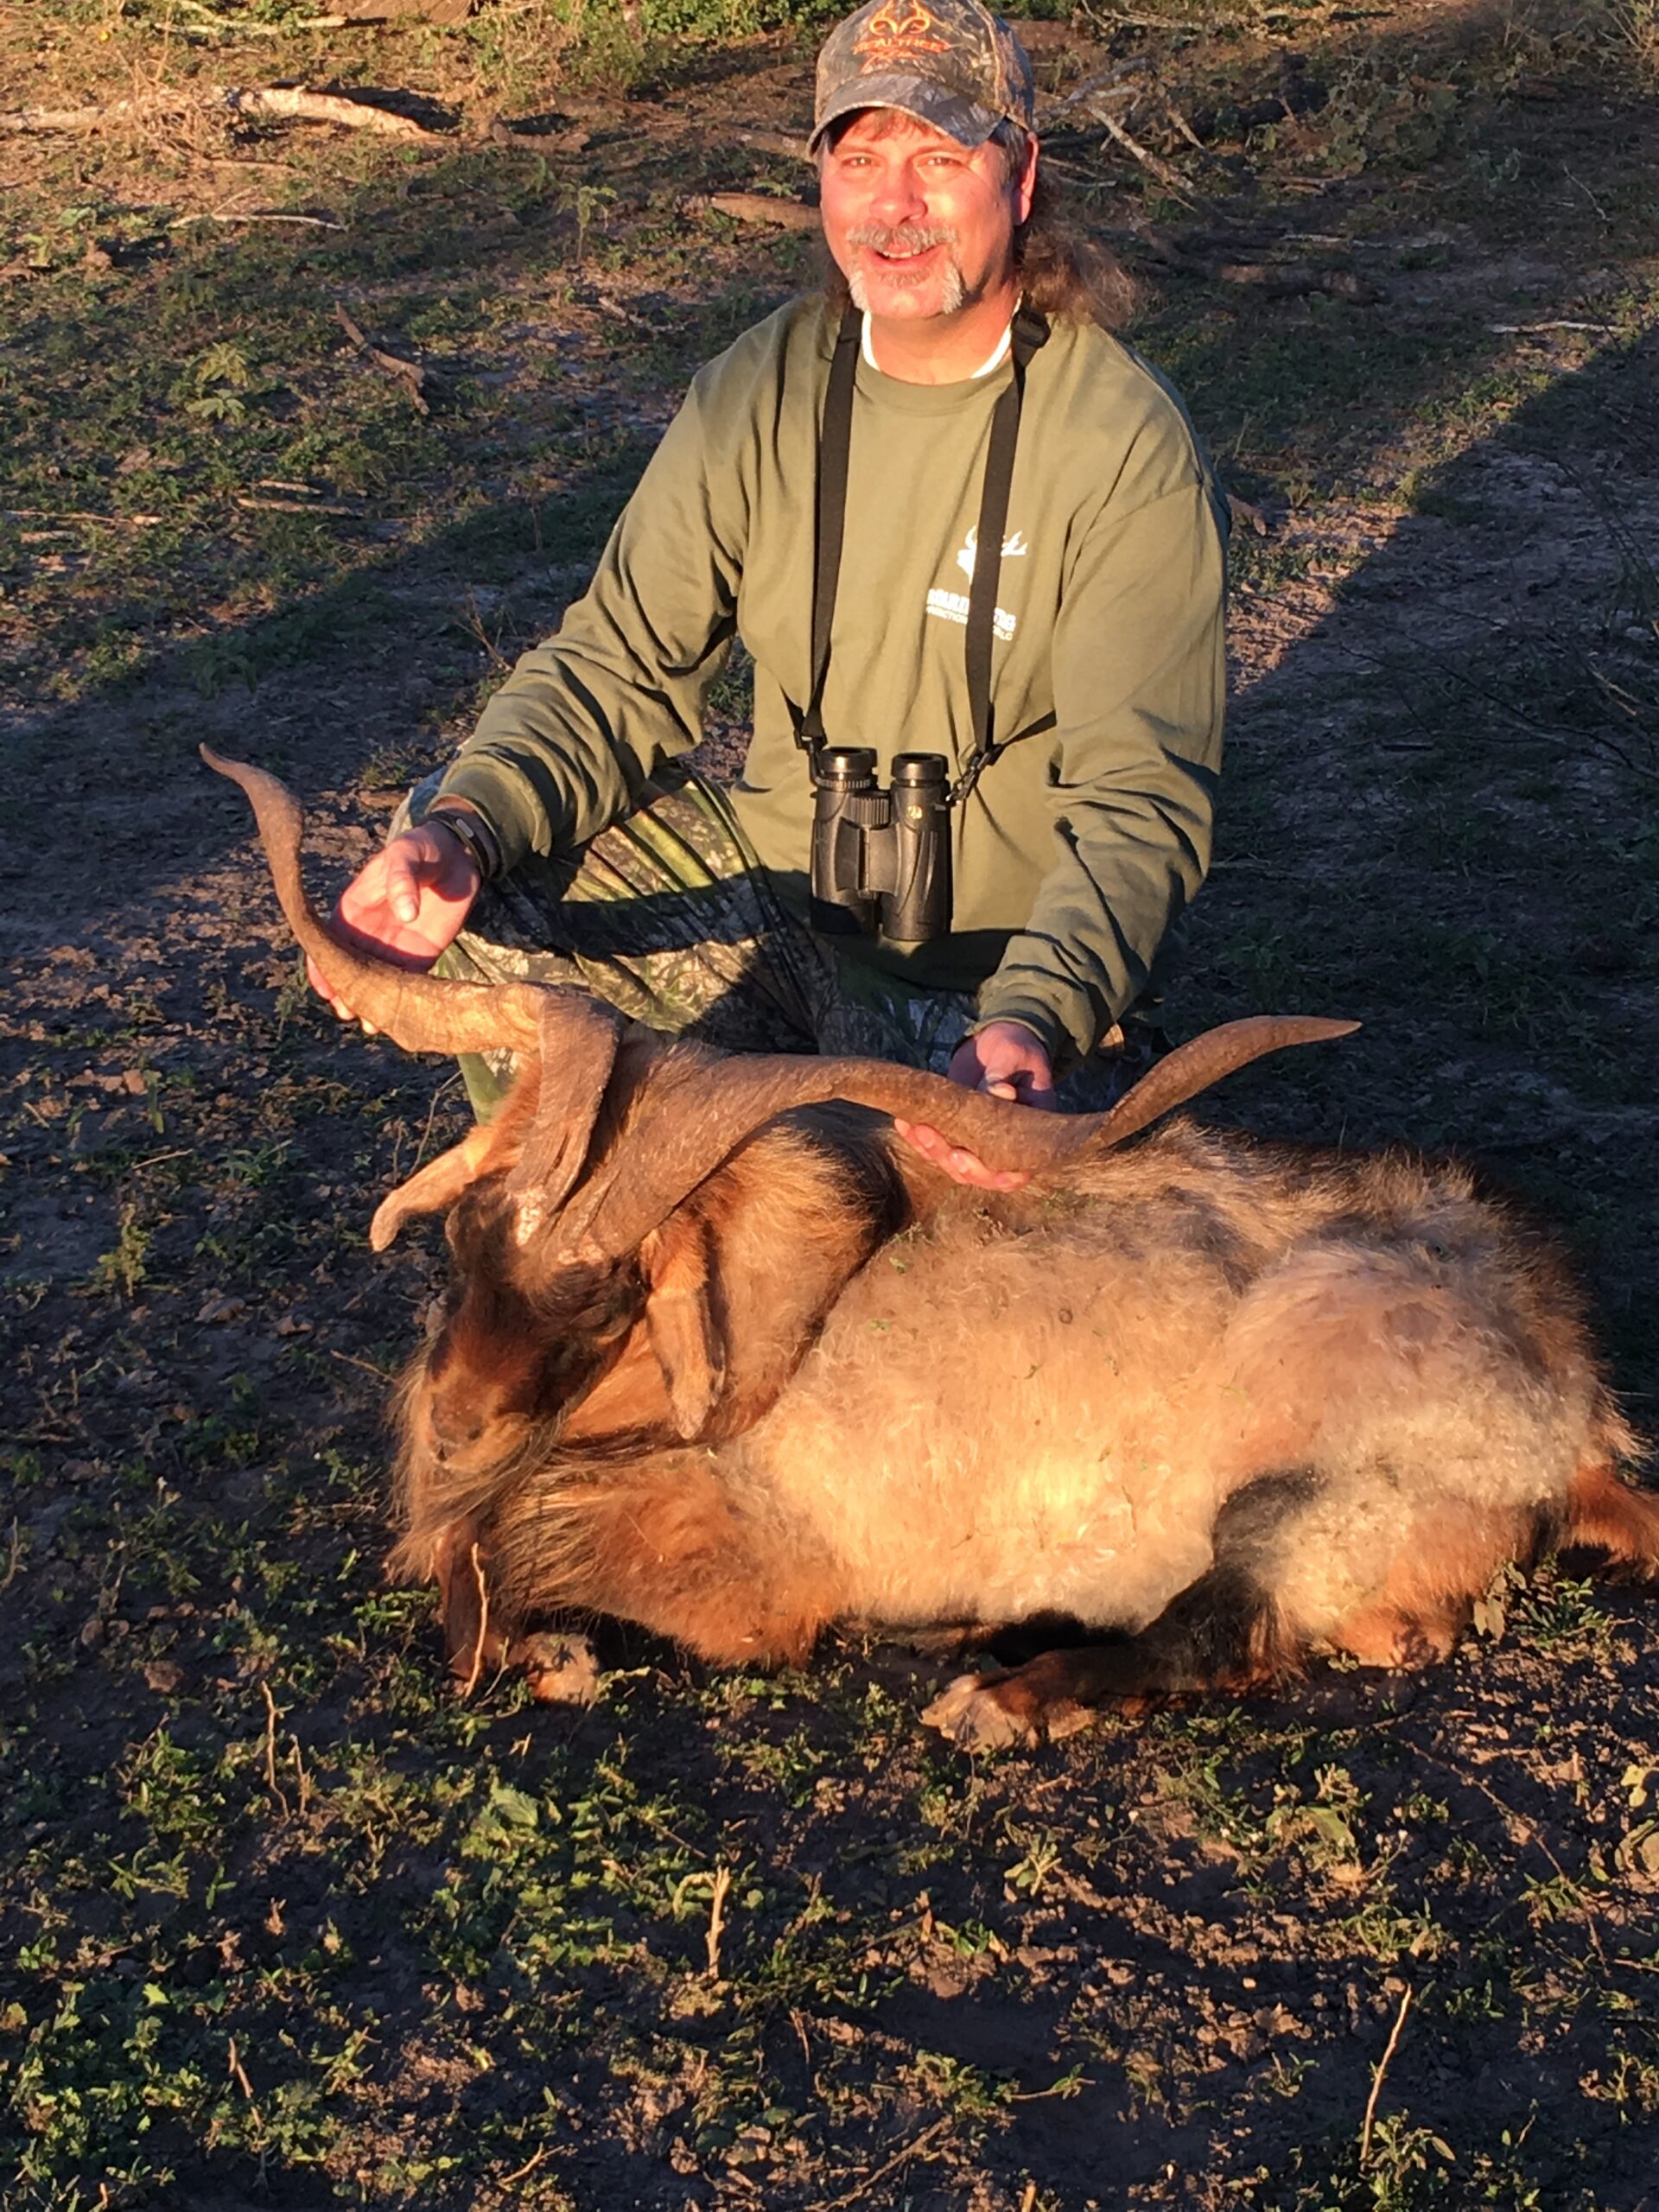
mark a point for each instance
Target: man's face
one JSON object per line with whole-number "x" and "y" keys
{"x": 920, "y": 226}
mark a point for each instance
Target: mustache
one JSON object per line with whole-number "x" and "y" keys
{"x": 905, "y": 238}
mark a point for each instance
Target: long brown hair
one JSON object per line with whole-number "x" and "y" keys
{"x": 1064, "y": 273}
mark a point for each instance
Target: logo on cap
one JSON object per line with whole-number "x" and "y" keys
{"x": 898, "y": 31}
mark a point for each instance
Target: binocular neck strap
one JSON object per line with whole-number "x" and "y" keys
{"x": 834, "y": 449}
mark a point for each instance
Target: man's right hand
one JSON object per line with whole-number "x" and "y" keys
{"x": 406, "y": 906}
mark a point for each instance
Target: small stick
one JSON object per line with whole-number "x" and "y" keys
{"x": 81, "y": 514}
{"x": 471, "y": 1682}
{"x": 293, "y": 506}
{"x": 1383, "y": 2065}
{"x": 716, "y": 1914}
{"x": 1102, "y": 84}
{"x": 301, "y": 1777}
{"x": 529, "y": 2165}
{"x": 255, "y": 215}
{"x": 368, "y": 1367}
{"x": 1170, "y": 178}
{"x": 271, "y": 1782}
{"x": 409, "y": 374}
{"x": 901, "y": 2158}
{"x": 1179, "y": 121}
{"x": 238, "y": 2073}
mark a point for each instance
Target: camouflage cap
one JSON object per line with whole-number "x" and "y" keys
{"x": 948, "y": 62}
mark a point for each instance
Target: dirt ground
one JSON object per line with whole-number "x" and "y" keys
{"x": 286, "y": 1923}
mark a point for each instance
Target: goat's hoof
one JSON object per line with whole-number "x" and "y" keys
{"x": 558, "y": 1669}
{"x": 969, "y": 1712}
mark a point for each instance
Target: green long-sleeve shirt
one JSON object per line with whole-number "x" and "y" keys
{"x": 1083, "y": 844}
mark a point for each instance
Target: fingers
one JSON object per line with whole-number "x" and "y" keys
{"x": 956, "y": 1161}
{"x": 337, "y": 1006}
{"x": 403, "y": 885}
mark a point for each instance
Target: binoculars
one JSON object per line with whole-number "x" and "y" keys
{"x": 880, "y": 858}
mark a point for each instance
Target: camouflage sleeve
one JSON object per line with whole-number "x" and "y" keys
{"x": 565, "y": 745}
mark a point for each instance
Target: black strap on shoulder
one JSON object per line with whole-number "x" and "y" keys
{"x": 834, "y": 449}
{"x": 1030, "y": 331}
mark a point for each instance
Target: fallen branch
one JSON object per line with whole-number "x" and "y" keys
{"x": 292, "y": 506}
{"x": 331, "y": 107}
{"x": 755, "y": 207}
{"x": 288, "y": 102}
{"x": 1154, "y": 164}
{"x": 1383, "y": 2064}
{"x": 81, "y": 514}
{"x": 771, "y": 142}
{"x": 414, "y": 378}
{"x": 1104, "y": 83}
{"x": 254, "y": 215}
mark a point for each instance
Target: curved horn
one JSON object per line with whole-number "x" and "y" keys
{"x": 1202, "y": 1061}
{"x": 579, "y": 1044}
{"x": 423, "y": 1013}
{"x": 687, "y": 1117}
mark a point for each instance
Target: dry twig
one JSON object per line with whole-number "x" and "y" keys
{"x": 755, "y": 207}
{"x": 471, "y": 1682}
{"x": 293, "y": 506}
{"x": 271, "y": 1782}
{"x": 255, "y": 215}
{"x": 1154, "y": 164}
{"x": 1383, "y": 2065}
{"x": 414, "y": 378}
{"x": 81, "y": 514}
{"x": 913, "y": 2149}
{"x": 717, "y": 1897}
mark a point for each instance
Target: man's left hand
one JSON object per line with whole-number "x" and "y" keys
{"x": 1005, "y": 1060}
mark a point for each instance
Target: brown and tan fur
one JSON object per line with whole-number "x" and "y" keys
{"x": 726, "y": 1359}
{"x": 1232, "y": 1404}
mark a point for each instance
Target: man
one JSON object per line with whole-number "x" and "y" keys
{"x": 1075, "y": 694}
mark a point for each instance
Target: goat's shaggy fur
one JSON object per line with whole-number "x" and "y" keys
{"x": 735, "y": 1370}
{"x": 1236, "y": 1403}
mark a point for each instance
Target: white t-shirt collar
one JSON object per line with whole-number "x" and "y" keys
{"x": 996, "y": 361}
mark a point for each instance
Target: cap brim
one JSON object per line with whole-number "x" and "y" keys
{"x": 965, "y": 120}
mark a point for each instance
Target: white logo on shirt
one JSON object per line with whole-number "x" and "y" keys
{"x": 952, "y": 606}
{"x": 1012, "y": 550}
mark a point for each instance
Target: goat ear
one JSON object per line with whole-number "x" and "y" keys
{"x": 579, "y": 1041}
{"x": 494, "y": 1144}
{"x": 680, "y": 1320}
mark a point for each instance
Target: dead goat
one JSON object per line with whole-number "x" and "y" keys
{"x": 721, "y": 1357}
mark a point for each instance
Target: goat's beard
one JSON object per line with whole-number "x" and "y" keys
{"x": 907, "y": 238}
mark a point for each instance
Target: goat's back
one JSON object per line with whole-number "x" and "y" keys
{"x": 1040, "y": 1404}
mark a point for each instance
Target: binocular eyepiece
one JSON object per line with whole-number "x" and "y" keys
{"x": 880, "y": 858}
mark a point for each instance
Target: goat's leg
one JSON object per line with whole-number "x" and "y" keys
{"x": 1223, "y": 1631}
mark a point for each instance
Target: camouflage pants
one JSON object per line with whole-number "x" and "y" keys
{"x": 670, "y": 918}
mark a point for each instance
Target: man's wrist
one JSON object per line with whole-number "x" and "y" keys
{"x": 1029, "y": 1028}
{"x": 471, "y": 832}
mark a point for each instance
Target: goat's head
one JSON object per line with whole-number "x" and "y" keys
{"x": 566, "y": 1219}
